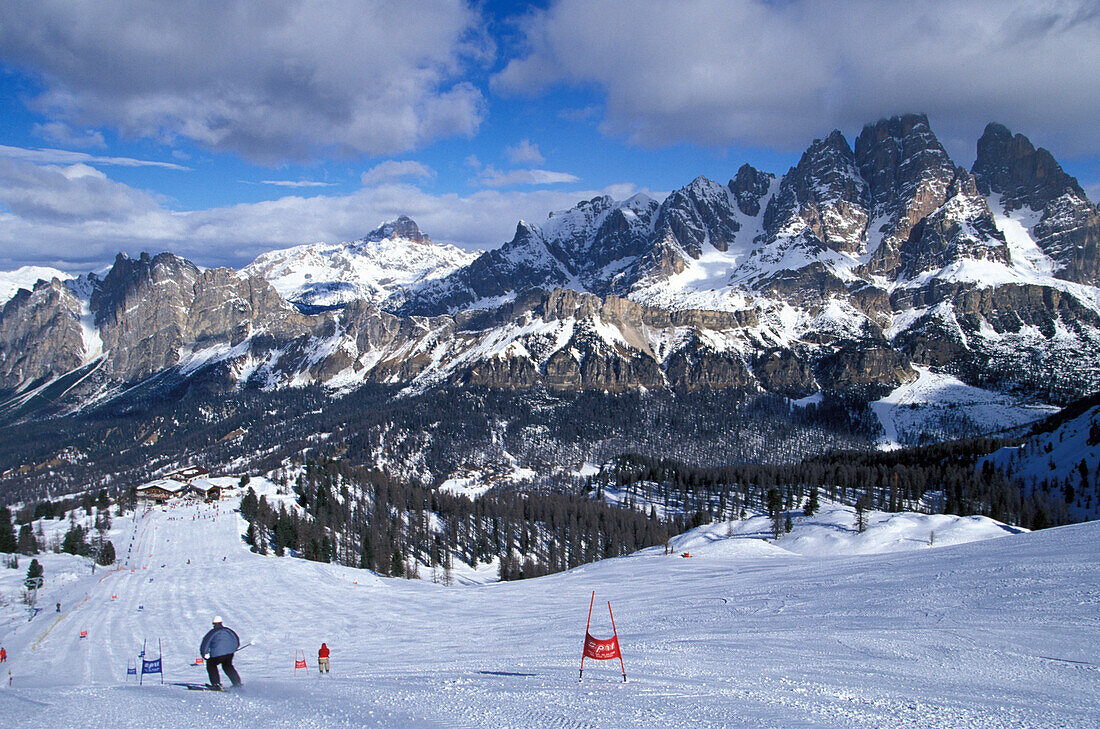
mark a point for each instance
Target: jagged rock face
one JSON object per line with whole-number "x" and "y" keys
{"x": 1006, "y": 309}
{"x": 873, "y": 366}
{"x": 577, "y": 247}
{"x": 523, "y": 262}
{"x": 908, "y": 173}
{"x": 40, "y": 334}
{"x": 807, "y": 285}
{"x": 781, "y": 371}
{"x": 697, "y": 366}
{"x": 748, "y": 186}
{"x": 142, "y": 308}
{"x": 227, "y": 309}
{"x": 403, "y": 227}
{"x": 962, "y": 227}
{"x": 623, "y": 235}
{"x": 698, "y": 215}
{"x": 823, "y": 193}
{"x": 151, "y": 311}
{"x": 573, "y": 230}
{"x": 1021, "y": 337}
{"x": 1012, "y": 167}
{"x": 1025, "y": 177}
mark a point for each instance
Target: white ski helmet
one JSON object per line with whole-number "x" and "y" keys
{"x": 217, "y": 620}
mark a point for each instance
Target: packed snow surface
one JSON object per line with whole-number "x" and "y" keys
{"x": 746, "y": 633}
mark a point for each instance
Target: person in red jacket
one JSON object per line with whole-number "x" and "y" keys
{"x": 3, "y": 655}
{"x": 322, "y": 659}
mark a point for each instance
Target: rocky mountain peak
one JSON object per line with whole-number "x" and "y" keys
{"x": 824, "y": 193}
{"x": 698, "y": 214}
{"x": 1011, "y": 166}
{"x": 40, "y": 334}
{"x": 590, "y": 208}
{"x": 962, "y": 228}
{"x": 129, "y": 277}
{"x": 404, "y": 227}
{"x": 907, "y": 172}
{"x": 748, "y": 186}
{"x": 1025, "y": 177}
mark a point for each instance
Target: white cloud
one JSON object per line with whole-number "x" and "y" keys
{"x": 270, "y": 81}
{"x": 64, "y": 157}
{"x": 296, "y": 183}
{"x": 62, "y": 133}
{"x": 524, "y": 153}
{"x": 492, "y": 177}
{"x": 77, "y": 218}
{"x": 50, "y": 194}
{"x": 777, "y": 74}
{"x": 393, "y": 170}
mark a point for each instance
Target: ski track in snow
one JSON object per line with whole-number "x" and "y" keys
{"x": 999, "y": 633}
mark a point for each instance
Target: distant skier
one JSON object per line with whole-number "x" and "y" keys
{"x": 58, "y": 607}
{"x": 218, "y": 647}
{"x": 322, "y": 659}
{"x": 3, "y": 656}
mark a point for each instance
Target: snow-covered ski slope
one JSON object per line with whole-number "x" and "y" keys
{"x": 1003, "y": 632}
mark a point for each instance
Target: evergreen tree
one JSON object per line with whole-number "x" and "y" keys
{"x": 249, "y": 504}
{"x": 861, "y": 519}
{"x": 397, "y": 564}
{"x": 787, "y": 525}
{"x": 35, "y": 570}
{"x": 106, "y": 555}
{"x": 74, "y": 543}
{"x": 775, "y": 510}
{"x": 812, "y": 504}
{"x": 8, "y": 542}
{"x": 28, "y": 544}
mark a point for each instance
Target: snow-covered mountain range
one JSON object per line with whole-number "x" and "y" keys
{"x": 858, "y": 266}
{"x": 25, "y": 278}
{"x": 392, "y": 259}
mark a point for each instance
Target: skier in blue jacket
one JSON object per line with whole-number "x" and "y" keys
{"x": 217, "y": 648}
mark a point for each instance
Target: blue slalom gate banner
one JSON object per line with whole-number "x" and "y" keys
{"x": 151, "y": 666}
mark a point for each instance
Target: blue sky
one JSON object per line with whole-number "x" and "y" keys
{"x": 220, "y": 129}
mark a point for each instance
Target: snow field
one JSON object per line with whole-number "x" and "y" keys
{"x": 802, "y": 632}
{"x": 943, "y": 405}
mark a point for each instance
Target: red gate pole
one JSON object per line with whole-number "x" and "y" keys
{"x": 616, "y": 633}
{"x": 586, "y": 627}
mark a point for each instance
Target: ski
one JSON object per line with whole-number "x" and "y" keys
{"x": 201, "y": 686}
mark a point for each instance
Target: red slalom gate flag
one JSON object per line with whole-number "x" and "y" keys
{"x": 300, "y": 661}
{"x": 601, "y": 649}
